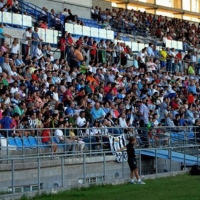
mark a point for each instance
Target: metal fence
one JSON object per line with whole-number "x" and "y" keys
{"x": 15, "y": 154}
{"x": 77, "y": 141}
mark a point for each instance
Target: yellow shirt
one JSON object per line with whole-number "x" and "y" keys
{"x": 163, "y": 54}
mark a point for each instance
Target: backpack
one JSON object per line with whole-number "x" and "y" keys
{"x": 195, "y": 170}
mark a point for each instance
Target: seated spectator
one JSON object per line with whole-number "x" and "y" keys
{"x": 15, "y": 47}
{"x": 46, "y": 138}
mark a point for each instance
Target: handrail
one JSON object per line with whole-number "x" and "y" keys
{"x": 28, "y": 4}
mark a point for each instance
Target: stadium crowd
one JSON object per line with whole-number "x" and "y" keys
{"x": 92, "y": 86}
{"x": 137, "y": 22}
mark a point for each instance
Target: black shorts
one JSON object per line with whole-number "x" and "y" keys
{"x": 132, "y": 164}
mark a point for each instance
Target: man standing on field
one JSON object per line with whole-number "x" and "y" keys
{"x": 132, "y": 161}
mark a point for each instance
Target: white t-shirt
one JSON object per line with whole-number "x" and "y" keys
{"x": 58, "y": 133}
{"x": 15, "y": 49}
{"x": 39, "y": 53}
{"x": 174, "y": 54}
{"x": 27, "y": 34}
{"x": 13, "y": 90}
{"x": 50, "y": 55}
{"x": 55, "y": 66}
{"x": 55, "y": 96}
{"x": 80, "y": 121}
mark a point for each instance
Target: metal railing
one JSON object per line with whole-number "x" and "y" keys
{"x": 172, "y": 139}
{"x": 34, "y": 142}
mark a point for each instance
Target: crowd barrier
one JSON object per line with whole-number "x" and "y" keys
{"x": 89, "y": 31}
{"x": 13, "y": 19}
{"x": 48, "y": 35}
{"x": 99, "y": 34}
{"x": 181, "y": 141}
{"x": 174, "y": 44}
{"x": 31, "y": 139}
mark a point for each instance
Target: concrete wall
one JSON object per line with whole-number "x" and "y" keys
{"x": 102, "y": 4}
{"x": 80, "y": 9}
{"x": 26, "y": 173}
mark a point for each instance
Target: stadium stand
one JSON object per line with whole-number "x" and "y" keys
{"x": 107, "y": 77}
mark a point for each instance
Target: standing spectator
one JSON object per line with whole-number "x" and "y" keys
{"x": 3, "y": 34}
{"x": 150, "y": 51}
{"x": 163, "y": 58}
{"x": 79, "y": 56}
{"x": 178, "y": 61}
{"x": 93, "y": 52}
{"x": 35, "y": 42}
{"x": 143, "y": 114}
{"x": 63, "y": 45}
{"x": 186, "y": 60}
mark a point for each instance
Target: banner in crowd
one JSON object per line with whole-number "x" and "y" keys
{"x": 117, "y": 143}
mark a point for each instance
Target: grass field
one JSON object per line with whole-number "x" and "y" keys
{"x": 181, "y": 187}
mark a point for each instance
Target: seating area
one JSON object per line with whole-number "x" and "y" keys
{"x": 91, "y": 28}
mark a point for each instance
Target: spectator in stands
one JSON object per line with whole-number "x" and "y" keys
{"x": 78, "y": 55}
{"x": 150, "y": 50}
{"x": 6, "y": 66}
{"x": 35, "y": 42}
{"x": 2, "y": 3}
{"x": 43, "y": 24}
{"x": 3, "y": 35}
{"x": 6, "y": 123}
{"x": 26, "y": 42}
{"x": 15, "y": 47}
{"x": 62, "y": 45}
{"x": 65, "y": 12}
{"x": 71, "y": 17}
{"x": 15, "y": 6}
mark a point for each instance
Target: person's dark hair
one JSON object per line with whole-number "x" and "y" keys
{"x": 131, "y": 139}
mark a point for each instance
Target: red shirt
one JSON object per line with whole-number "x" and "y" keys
{"x": 93, "y": 50}
{"x": 67, "y": 93}
{"x": 107, "y": 89}
{"x": 79, "y": 42}
{"x": 70, "y": 40}
{"x": 44, "y": 26}
{"x": 190, "y": 99}
{"x": 62, "y": 44}
{"x": 45, "y": 136}
{"x": 174, "y": 105}
{"x": 13, "y": 124}
{"x": 34, "y": 77}
{"x": 9, "y": 2}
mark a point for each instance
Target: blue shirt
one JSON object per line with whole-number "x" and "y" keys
{"x": 6, "y": 122}
{"x": 192, "y": 88}
{"x": 156, "y": 53}
{"x": 109, "y": 97}
{"x": 97, "y": 113}
{"x": 150, "y": 51}
{"x": 36, "y": 36}
{"x": 135, "y": 64}
{"x": 69, "y": 111}
{"x": 1, "y": 33}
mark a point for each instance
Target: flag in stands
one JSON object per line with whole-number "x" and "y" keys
{"x": 117, "y": 143}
